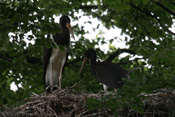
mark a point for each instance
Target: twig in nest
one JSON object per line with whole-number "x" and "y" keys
{"x": 53, "y": 111}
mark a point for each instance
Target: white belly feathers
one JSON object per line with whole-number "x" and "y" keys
{"x": 57, "y": 59}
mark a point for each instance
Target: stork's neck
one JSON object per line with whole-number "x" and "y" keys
{"x": 65, "y": 31}
{"x": 65, "y": 35}
{"x": 93, "y": 64}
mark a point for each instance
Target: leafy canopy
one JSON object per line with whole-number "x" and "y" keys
{"x": 148, "y": 24}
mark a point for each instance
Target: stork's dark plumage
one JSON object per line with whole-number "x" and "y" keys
{"x": 54, "y": 59}
{"x": 108, "y": 73}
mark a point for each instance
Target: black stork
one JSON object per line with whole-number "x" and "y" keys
{"x": 54, "y": 59}
{"x": 108, "y": 73}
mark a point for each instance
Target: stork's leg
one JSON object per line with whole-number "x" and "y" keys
{"x": 51, "y": 81}
{"x": 115, "y": 90}
{"x": 47, "y": 90}
{"x": 55, "y": 87}
{"x": 60, "y": 76}
{"x": 105, "y": 87}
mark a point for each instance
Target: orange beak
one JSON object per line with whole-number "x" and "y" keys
{"x": 70, "y": 30}
{"x": 83, "y": 64}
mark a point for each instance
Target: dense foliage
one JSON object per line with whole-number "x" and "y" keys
{"x": 148, "y": 24}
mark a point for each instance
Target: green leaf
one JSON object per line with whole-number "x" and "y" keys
{"x": 93, "y": 104}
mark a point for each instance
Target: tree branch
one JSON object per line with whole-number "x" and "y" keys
{"x": 165, "y": 8}
{"x": 6, "y": 58}
{"x": 130, "y": 61}
{"x": 27, "y": 2}
{"x": 118, "y": 52}
{"x": 158, "y": 3}
{"x": 1, "y": 3}
{"x": 172, "y": 2}
{"x": 153, "y": 16}
{"x": 73, "y": 61}
{"x": 110, "y": 58}
{"x": 31, "y": 60}
{"x": 88, "y": 7}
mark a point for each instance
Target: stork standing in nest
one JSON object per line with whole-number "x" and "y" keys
{"x": 108, "y": 73}
{"x": 54, "y": 59}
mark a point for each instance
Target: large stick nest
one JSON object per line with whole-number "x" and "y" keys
{"x": 70, "y": 103}
{"x": 59, "y": 103}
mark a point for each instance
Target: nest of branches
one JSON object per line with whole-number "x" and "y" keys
{"x": 59, "y": 103}
{"x": 160, "y": 103}
{"x": 70, "y": 103}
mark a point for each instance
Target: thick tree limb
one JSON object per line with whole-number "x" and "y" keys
{"x": 110, "y": 58}
{"x": 31, "y": 60}
{"x": 165, "y": 8}
{"x": 6, "y": 58}
{"x": 35, "y": 60}
{"x": 118, "y": 52}
{"x": 130, "y": 61}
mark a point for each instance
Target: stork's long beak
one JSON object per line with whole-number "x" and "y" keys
{"x": 70, "y": 30}
{"x": 82, "y": 66}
